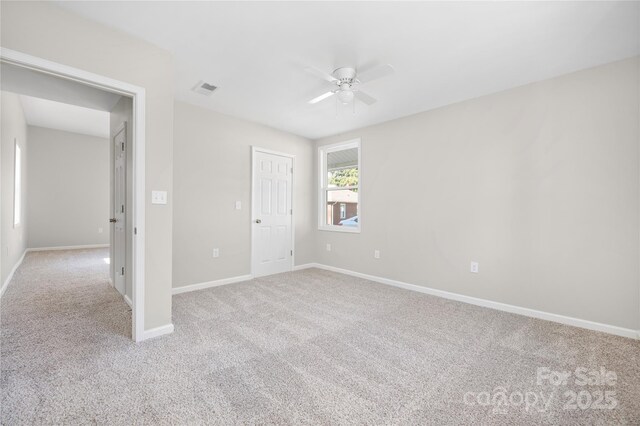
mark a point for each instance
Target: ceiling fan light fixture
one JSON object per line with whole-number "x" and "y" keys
{"x": 345, "y": 96}
{"x": 348, "y": 83}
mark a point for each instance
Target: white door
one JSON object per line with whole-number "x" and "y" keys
{"x": 272, "y": 242}
{"x": 120, "y": 185}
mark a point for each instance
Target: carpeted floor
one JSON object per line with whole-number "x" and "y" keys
{"x": 309, "y": 347}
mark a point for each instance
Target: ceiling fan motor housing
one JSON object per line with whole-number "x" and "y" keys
{"x": 345, "y": 76}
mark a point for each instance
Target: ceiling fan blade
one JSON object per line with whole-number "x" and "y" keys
{"x": 365, "y": 98}
{"x": 321, "y": 74}
{"x": 375, "y": 73}
{"x": 321, "y": 97}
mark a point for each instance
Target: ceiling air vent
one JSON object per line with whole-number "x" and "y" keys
{"x": 204, "y": 88}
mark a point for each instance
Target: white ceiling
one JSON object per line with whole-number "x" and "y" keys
{"x": 61, "y": 116}
{"x": 443, "y": 52}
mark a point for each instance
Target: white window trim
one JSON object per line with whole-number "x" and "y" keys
{"x": 322, "y": 193}
{"x": 17, "y": 188}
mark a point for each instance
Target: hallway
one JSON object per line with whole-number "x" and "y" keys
{"x": 59, "y": 303}
{"x": 63, "y": 290}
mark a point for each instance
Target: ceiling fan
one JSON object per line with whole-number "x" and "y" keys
{"x": 347, "y": 81}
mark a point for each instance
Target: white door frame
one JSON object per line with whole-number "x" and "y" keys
{"x": 112, "y": 214}
{"x": 137, "y": 94}
{"x": 255, "y": 149}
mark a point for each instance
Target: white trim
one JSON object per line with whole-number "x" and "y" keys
{"x": 158, "y": 331}
{"x": 307, "y": 266}
{"x": 88, "y": 246}
{"x": 129, "y": 302}
{"x": 209, "y": 284}
{"x": 532, "y": 313}
{"x": 18, "y": 202}
{"x": 138, "y": 251}
{"x": 323, "y": 150}
{"x": 70, "y": 73}
{"x": 137, "y": 93}
{"x": 345, "y": 229}
{"x": 270, "y": 151}
{"x": 255, "y": 149}
{"x": 13, "y": 271}
{"x": 112, "y": 204}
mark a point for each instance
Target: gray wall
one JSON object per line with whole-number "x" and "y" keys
{"x": 212, "y": 163}
{"x": 539, "y": 184}
{"x": 13, "y": 241}
{"x": 45, "y": 30}
{"x": 69, "y": 189}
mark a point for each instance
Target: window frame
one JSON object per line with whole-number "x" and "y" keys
{"x": 17, "y": 184}
{"x": 323, "y": 151}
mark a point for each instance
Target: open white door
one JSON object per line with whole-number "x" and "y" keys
{"x": 272, "y": 214}
{"x": 119, "y": 205}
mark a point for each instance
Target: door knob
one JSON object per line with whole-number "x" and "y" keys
{"x": 258, "y": 221}
{"x": 113, "y": 220}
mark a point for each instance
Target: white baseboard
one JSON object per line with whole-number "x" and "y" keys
{"x": 13, "y": 271}
{"x": 209, "y": 284}
{"x": 129, "y": 302}
{"x": 158, "y": 331}
{"x": 88, "y": 246}
{"x": 306, "y": 266}
{"x": 576, "y": 322}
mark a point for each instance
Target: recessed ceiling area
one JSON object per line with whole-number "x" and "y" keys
{"x": 69, "y": 118}
{"x": 37, "y": 84}
{"x": 57, "y": 103}
{"x": 442, "y": 52}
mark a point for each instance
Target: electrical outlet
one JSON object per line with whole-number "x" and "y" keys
{"x": 475, "y": 267}
{"x": 376, "y": 254}
{"x": 216, "y": 252}
{"x": 100, "y": 230}
{"x": 328, "y": 247}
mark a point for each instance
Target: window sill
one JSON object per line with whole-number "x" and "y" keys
{"x": 345, "y": 229}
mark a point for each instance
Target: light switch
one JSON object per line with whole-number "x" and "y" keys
{"x": 158, "y": 197}
{"x": 238, "y": 205}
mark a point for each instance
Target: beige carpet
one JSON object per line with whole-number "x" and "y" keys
{"x": 309, "y": 347}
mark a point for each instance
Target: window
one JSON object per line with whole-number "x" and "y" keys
{"x": 340, "y": 172}
{"x": 17, "y": 186}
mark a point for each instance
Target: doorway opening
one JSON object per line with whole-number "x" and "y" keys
{"x": 123, "y": 228}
